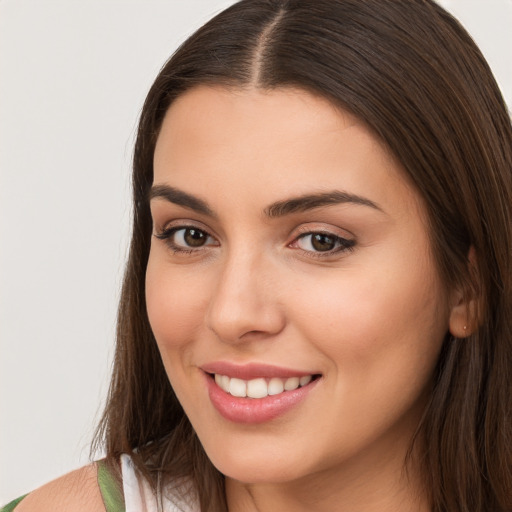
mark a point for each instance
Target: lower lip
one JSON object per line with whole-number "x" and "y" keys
{"x": 255, "y": 410}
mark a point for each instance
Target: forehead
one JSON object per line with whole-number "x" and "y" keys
{"x": 216, "y": 141}
{"x": 218, "y": 112}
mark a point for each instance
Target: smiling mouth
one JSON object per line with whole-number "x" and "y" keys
{"x": 260, "y": 387}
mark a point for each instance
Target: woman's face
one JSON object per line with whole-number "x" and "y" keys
{"x": 291, "y": 262}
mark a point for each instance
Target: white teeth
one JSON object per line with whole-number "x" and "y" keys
{"x": 260, "y": 388}
{"x": 225, "y": 383}
{"x": 257, "y": 388}
{"x": 275, "y": 386}
{"x": 305, "y": 380}
{"x": 238, "y": 387}
{"x": 291, "y": 383}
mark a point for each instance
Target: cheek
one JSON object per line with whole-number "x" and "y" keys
{"x": 376, "y": 315}
{"x": 175, "y": 304}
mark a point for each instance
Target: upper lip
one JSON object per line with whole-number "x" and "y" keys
{"x": 252, "y": 370}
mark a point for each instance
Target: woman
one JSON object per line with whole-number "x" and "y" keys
{"x": 315, "y": 314}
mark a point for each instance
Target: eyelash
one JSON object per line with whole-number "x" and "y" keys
{"x": 167, "y": 236}
{"x": 342, "y": 244}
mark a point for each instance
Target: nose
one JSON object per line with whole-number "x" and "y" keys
{"x": 245, "y": 303}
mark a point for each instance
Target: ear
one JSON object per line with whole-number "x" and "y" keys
{"x": 463, "y": 319}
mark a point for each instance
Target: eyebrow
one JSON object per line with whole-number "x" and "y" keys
{"x": 311, "y": 201}
{"x": 176, "y": 196}
{"x": 277, "y": 209}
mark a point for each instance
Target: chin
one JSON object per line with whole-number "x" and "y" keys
{"x": 258, "y": 469}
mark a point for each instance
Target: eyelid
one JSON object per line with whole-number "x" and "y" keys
{"x": 167, "y": 232}
{"x": 314, "y": 227}
{"x": 161, "y": 227}
{"x": 347, "y": 243}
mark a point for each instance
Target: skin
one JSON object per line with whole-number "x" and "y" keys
{"x": 75, "y": 492}
{"x": 370, "y": 320}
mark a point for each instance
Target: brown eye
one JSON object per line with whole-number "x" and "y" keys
{"x": 194, "y": 237}
{"x": 186, "y": 239}
{"x": 323, "y": 243}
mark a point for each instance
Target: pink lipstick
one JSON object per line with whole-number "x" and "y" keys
{"x": 256, "y": 393}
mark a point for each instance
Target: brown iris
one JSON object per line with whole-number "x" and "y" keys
{"x": 195, "y": 237}
{"x": 321, "y": 242}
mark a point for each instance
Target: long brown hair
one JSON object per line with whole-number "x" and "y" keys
{"x": 412, "y": 73}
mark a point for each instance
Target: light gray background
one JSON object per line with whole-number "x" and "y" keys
{"x": 73, "y": 76}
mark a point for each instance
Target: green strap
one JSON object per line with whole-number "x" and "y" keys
{"x": 110, "y": 491}
{"x": 12, "y": 505}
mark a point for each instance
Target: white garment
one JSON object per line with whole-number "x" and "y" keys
{"x": 139, "y": 497}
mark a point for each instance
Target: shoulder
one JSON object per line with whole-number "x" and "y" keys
{"x": 75, "y": 492}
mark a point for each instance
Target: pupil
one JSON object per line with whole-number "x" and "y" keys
{"x": 323, "y": 242}
{"x": 194, "y": 237}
